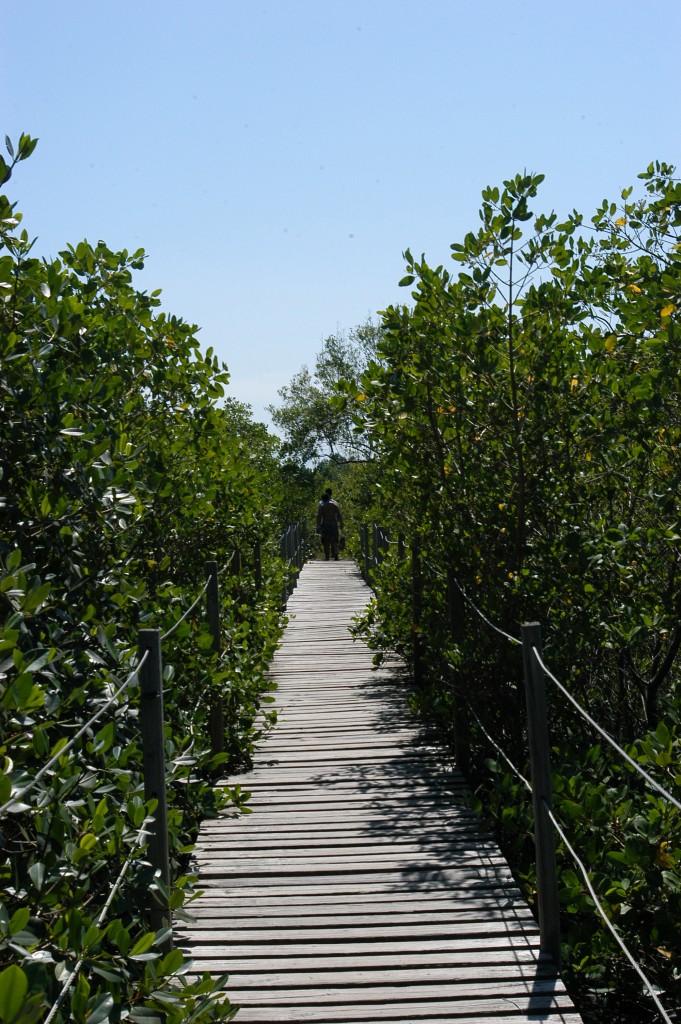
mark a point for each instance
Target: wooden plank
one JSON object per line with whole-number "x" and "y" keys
{"x": 365, "y": 954}
{"x": 500, "y": 1011}
{"x": 361, "y": 888}
{"x": 524, "y": 990}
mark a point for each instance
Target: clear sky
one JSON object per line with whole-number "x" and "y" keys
{"x": 275, "y": 157}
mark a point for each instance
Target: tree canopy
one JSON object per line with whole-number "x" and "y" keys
{"x": 123, "y": 470}
{"x": 524, "y": 411}
{"x": 318, "y": 429}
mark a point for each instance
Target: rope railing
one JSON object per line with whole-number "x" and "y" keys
{"x": 148, "y": 673}
{"x": 613, "y": 743}
{"x": 133, "y": 677}
{"x": 599, "y": 907}
{"x": 113, "y": 892}
{"x": 502, "y": 753}
{"x": 583, "y": 870}
{"x": 585, "y": 714}
{"x": 471, "y": 604}
{"x": 154, "y": 833}
{"x": 185, "y": 616}
{"x": 546, "y": 824}
{"x": 292, "y": 548}
{"x": 228, "y": 563}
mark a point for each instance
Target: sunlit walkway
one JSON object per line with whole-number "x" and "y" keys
{"x": 360, "y": 889}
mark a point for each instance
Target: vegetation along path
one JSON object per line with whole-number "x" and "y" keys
{"x": 361, "y": 888}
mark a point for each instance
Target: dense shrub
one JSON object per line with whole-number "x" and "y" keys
{"x": 123, "y": 471}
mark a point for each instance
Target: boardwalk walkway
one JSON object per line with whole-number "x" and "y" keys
{"x": 360, "y": 889}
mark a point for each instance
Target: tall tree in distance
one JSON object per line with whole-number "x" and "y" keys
{"x": 321, "y": 443}
{"x": 316, "y": 424}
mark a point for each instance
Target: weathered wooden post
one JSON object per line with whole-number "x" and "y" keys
{"x": 540, "y": 767}
{"x": 364, "y": 548}
{"x": 297, "y": 552}
{"x": 153, "y": 760}
{"x": 417, "y": 609}
{"x": 383, "y": 541}
{"x": 456, "y": 616}
{"x": 282, "y": 555}
{"x": 236, "y": 562}
{"x": 257, "y": 558}
{"x": 216, "y": 721}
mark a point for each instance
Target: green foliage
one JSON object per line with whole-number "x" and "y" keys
{"x": 123, "y": 470}
{"x": 525, "y": 413}
{"x": 321, "y": 445}
{"x": 317, "y": 428}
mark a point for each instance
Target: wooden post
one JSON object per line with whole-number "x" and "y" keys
{"x": 540, "y": 766}
{"x": 417, "y": 610}
{"x": 383, "y": 537}
{"x": 364, "y": 548}
{"x": 455, "y": 615}
{"x": 216, "y": 721}
{"x": 297, "y": 553}
{"x": 257, "y": 558}
{"x": 153, "y": 759}
{"x": 284, "y": 558}
{"x": 375, "y": 552}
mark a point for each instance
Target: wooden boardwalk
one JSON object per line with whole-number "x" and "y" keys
{"x": 360, "y": 889}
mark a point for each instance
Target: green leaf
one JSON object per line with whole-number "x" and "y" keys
{"x": 14, "y": 560}
{"x": 142, "y": 945}
{"x": 26, "y": 146}
{"x": 13, "y": 990}
{"x": 101, "y": 1009}
{"x": 172, "y": 962}
{"x": 37, "y": 874}
{"x": 19, "y": 920}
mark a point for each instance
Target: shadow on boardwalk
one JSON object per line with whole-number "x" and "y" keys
{"x": 361, "y": 888}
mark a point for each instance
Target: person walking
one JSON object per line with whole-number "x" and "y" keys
{"x": 329, "y": 523}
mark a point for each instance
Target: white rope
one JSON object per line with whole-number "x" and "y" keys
{"x": 227, "y": 563}
{"x": 501, "y": 632}
{"x": 188, "y": 612}
{"x": 649, "y": 779}
{"x": 583, "y": 870}
{"x": 100, "y": 920}
{"x": 496, "y": 746}
{"x": 603, "y": 914}
{"x": 67, "y": 746}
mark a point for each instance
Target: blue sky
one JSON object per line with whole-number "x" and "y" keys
{"x": 275, "y": 159}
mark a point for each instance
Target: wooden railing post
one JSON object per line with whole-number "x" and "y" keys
{"x": 455, "y": 614}
{"x": 364, "y": 548}
{"x": 383, "y": 537}
{"x": 216, "y": 721}
{"x": 417, "y": 609}
{"x": 257, "y": 558}
{"x": 153, "y": 759}
{"x": 540, "y": 766}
